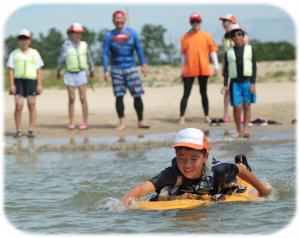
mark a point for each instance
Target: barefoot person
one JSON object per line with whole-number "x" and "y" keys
{"x": 192, "y": 171}
{"x": 227, "y": 42}
{"x": 76, "y": 57}
{"x": 240, "y": 68}
{"x": 119, "y": 45}
{"x": 196, "y": 48}
{"x": 25, "y": 80}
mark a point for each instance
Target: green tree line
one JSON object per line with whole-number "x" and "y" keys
{"x": 157, "y": 50}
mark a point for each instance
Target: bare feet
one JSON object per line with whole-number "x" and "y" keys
{"x": 208, "y": 119}
{"x": 246, "y": 134}
{"x": 238, "y": 135}
{"x": 182, "y": 121}
{"x": 142, "y": 125}
{"x": 122, "y": 125}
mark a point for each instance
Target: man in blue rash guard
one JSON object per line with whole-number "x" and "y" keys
{"x": 118, "y": 49}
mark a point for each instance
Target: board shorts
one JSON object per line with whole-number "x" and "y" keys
{"x": 240, "y": 93}
{"x": 123, "y": 78}
{"x": 75, "y": 79}
{"x": 26, "y": 87}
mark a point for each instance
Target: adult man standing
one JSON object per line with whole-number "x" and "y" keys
{"x": 119, "y": 45}
{"x": 196, "y": 48}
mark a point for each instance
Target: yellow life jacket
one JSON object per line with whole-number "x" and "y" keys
{"x": 76, "y": 59}
{"x": 247, "y": 62}
{"x": 227, "y": 44}
{"x": 25, "y": 67}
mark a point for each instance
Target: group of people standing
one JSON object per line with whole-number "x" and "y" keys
{"x": 118, "y": 59}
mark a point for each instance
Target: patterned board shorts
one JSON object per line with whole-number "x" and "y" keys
{"x": 126, "y": 78}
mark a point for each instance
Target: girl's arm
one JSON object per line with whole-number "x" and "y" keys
{"x": 263, "y": 189}
{"x": 39, "y": 81}
{"x": 137, "y": 192}
{"x": 11, "y": 83}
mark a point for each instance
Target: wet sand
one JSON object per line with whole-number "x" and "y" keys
{"x": 275, "y": 101}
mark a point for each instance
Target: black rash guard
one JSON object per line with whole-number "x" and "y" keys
{"x": 222, "y": 175}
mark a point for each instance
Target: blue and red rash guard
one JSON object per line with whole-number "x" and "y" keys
{"x": 120, "y": 46}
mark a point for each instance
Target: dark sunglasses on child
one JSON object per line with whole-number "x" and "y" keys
{"x": 235, "y": 34}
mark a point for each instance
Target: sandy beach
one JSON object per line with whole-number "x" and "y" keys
{"x": 275, "y": 101}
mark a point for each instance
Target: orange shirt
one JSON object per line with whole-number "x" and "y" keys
{"x": 196, "y": 47}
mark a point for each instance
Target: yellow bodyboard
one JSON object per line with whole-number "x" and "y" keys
{"x": 249, "y": 195}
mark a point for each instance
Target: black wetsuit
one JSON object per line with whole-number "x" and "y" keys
{"x": 223, "y": 174}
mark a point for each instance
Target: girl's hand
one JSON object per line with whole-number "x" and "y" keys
{"x": 12, "y": 89}
{"x": 39, "y": 88}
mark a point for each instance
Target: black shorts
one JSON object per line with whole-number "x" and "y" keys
{"x": 26, "y": 87}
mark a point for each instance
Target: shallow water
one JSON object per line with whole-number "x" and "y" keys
{"x": 77, "y": 192}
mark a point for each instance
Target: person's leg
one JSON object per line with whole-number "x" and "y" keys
{"x": 119, "y": 88}
{"x": 71, "y": 104}
{"x": 237, "y": 116}
{"x": 84, "y": 104}
{"x": 32, "y": 112}
{"x": 226, "y": 106}
{"x": 19, "y": 103}
{"x": 203, "y": 91}
{"x": 120, "y": 111}
{"x": 138, "y": 105}
{"x": 236, "y": 101}
{"x": 247, "y": 116}
{"x": 187, "y": 88}
{"x": 134, "y": 84}
{"x": 246, "y": 108}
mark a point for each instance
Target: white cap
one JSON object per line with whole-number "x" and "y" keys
{"x": 235, "y": 27}
{"x": 229, "y": 17}
{"x": 76, "y": 27}
{"x": 25, "y": 32}
{"x": 192, "y": 138}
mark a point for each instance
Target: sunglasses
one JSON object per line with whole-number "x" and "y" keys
{"x": 195, "y": 22}
{"x": 237, "y": 34}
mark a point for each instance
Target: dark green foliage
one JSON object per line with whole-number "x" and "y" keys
{"x": 157, "y": 51}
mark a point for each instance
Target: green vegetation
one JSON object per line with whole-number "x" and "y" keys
{"x": 157, "y": 51}
{"x": 162, "y": 57}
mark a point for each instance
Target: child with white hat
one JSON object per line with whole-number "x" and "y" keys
{"x": 25, "y": 80}
{"x": 191, "y": 171}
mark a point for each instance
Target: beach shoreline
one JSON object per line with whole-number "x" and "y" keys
{"x": 275, "y": 101}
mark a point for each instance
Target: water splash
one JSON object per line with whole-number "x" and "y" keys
{"x": 114, "y": 205}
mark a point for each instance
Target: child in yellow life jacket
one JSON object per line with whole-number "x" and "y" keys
{"x": 76, "y": 57}
{"x": 25, "y": 80}
{"x": 240, "y": 68}
{"x": 198, "y": 174}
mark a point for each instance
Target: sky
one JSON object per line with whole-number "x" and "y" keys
{"x": 262, "y": 22}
